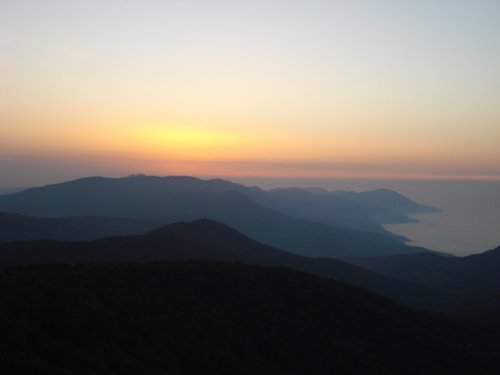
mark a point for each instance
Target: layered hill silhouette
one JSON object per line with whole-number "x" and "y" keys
{"x": 474, "y": 280}
{"x": 16, "y": 227}
{"x": 341, "y": 212}
{"x": 314, "y": 205}
{"x": 210, "y": 240}
{"x": 206, "y": 305}
{"x": 7, "y": 190}
{"x": 252, "y": 211}
{"x": 383, "y": 198}
{"x": 204, "y": 317}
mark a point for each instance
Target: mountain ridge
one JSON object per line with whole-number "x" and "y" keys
{"x": 388, "y": 199}
{"x": 474, "y": 280}
{"x": 17, "y": 227}
{"x": 210, "y": 240}
{"x": 168, "y": 199}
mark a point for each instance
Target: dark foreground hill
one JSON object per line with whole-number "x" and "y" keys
{"x": 247, "y": 250}
{"x": 210, "y": 240}
{"x": 171, "y": 199}
{"x": 15, "y": 227}
{"x": 204, "y": 318}
{"x": 474, "y": 280}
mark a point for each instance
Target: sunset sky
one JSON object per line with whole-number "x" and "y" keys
{"x": 317, "y": 89}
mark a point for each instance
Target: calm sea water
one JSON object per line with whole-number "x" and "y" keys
{"x": 469, "y": 223}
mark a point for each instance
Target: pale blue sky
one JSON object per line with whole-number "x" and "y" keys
{"x": 383, "y": 88}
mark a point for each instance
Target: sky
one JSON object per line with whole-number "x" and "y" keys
{"x": 288, "y": 89}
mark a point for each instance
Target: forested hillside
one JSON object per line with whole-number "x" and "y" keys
{"x": 221, "y": 318}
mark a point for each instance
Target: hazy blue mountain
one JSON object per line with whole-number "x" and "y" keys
{"x": 210, "y": 240}
{"x": 6, "y": 190}
{"x": 317, "y": 190}
{"x": 171, "y": 199}
{"x": 16, "y": 227}
{"x": 333, "y": 209}
{"x": 342, "y": 213}
{"x": 386, "y": 198}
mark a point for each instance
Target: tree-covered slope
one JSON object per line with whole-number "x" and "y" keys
{"x": 474, "y": 280}
{"x": 210, "y": 240}
{"x": 220, "y": 318}
{"x": 469, "y": 275}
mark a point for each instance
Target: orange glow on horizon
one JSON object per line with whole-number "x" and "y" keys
{"x": 177, "y": 142}
{"x": 169, "y": 149}
{"x": 200, "y": 168}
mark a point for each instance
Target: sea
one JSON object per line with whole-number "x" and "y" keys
{"x": 469, "y": 223}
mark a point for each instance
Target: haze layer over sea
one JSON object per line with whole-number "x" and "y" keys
{"x": 469, "y": 223}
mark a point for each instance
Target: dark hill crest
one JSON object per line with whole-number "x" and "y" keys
{"x": 210, "y": 240}
{"x": 474, "y": 279}
{"x": 208, "y": 228}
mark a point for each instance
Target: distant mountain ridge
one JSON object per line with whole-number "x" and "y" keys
{"x": 387, "y": 199}
{"x": 259, "y": 214}
{"x": 8, "y": 190}
{"x": 314, "y": 205}
{"x": 343, "y": 213}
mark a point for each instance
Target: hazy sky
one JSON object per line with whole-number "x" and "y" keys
{"x": 377, "y": 89}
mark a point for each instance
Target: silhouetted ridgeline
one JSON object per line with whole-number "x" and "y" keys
{"x": 15, "y": 227}
{"x": 387, "y": 199}
{"x": 7, "y": 190}
{"x": 473, "y": 281}
{"x": 221, "y": 318}
{"x": 207, "y": 239}
{"x": 302, "y": 223}
{"x": 313, "y": 206}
